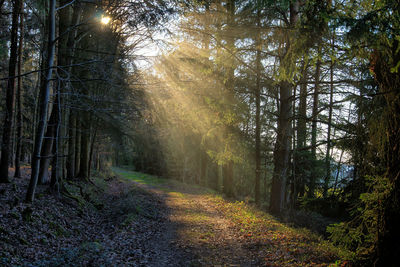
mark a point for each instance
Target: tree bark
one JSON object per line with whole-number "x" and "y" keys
{"x": 389, "y": 83}
{"x": 228, "y": 179}
{"x": 258, "y": 111}
{"x": 19, "y": 97}
{"x": 44, "y": 100}
{"x": 282, "y": 150}
{"x": 92, "y": 147}
{"x": 203, "y": 167}
{"x": 71, "y": 145}
{"x": 72, "y": 120}
{"x": 46, "y": 152}
{"x": 229, "y": 89}
{"x": 315, "y": 112}
{"x": 328, "y": 141}
{"x": 77, "y": 146}
{"x": 10, "y": 95}
{"x": 283, "y": 138}
{"x": 84, "y": 150}
{"x": 301, "y": 135}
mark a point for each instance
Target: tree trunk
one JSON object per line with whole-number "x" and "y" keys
{"x": 19, "y": 98}
{"x": 282, "y": 150}
{"x": 203, "y": 167}
{"x": 228, "y": 179}
{"x": 44, "y": 100}
{"x": 56, "y": 166}
{"x": 71, "y": 145}
{"x": 301, "y": 136}
{"x": 92, "y": 148}
{"x": 389, "y": 83}
{"x": 77, "y": 146}
{"x": 10, "y": 95}
{"x": 313, "y": 176}
{"x": 229, "y": 89}
{"x": 72, "y": 120}
{"x": 258, "y": 111}
{"x": 84, "y": 150}
{"x": 46, "y": 153}
{"x": 328, "y": 141}
{"x": 283, "y": 138}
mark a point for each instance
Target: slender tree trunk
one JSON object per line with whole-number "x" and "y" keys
{"x": 46, "y": 153}
{"x": 19, "y": 98}
{"x": 203, "y": 167}
{"x": 301, "y": 163}
{"x": 228, "y": 179}
{"x": 54, "y": 123}
{"x": 258, "y": 111}
{"x": 71, "y": 145}
{"x": 92, "y": 148}
{"x": 77, "y": 146}
{"x": 265, "y": 191}
{"x": 339, "y": 166}
{"x": 44, "y": 100}
{"x": 294, "y": 179}
{"x": 229, "y": 89}
{"x": 56, "y": 167}
{"x": 84, "y": 150}
{"x": 313, "y": 177}
{"x": 72, "y": 120}
{"x": 328, "y": 145}
{"x": 10, "y": 95}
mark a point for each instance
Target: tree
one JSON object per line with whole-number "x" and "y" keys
{"x": 19, "y": 97}
{"x": 283, "y": 139}
{"x": 257, "y": 92}
{"x": 385, "y": 64}
{"x": 10, "y": 96}
{"x": 44, "y": 103}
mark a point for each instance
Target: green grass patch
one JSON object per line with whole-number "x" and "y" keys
{"x": 176, "y": 194}
{"x": 138, "y": 177}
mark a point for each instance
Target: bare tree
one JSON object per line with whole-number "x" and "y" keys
{"x": 44, "y": 103}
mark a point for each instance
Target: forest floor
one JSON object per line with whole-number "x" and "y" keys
{"x": 134, "y": 219}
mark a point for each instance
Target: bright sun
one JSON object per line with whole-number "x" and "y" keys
{"x": 105, "y": 20}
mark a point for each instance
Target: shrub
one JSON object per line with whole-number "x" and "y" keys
{"x": 361, "y": 233}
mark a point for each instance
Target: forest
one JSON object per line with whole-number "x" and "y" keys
{"x": 199, "y": 132}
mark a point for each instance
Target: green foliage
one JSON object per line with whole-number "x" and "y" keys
{"x": 361, "y": 233}
{"x": 329, "y": 207}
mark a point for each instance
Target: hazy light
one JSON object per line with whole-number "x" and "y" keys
{"x": 105, "y": 20}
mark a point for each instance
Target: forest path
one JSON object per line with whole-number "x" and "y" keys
{"x": 200, "y": 228}
{"x": 193, "y": 225}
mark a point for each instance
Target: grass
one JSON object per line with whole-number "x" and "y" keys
{"x": 294, "y": 243}
{"x": 140, "y": 178}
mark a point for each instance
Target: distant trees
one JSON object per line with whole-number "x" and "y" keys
{"x": 264, "y": 90}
